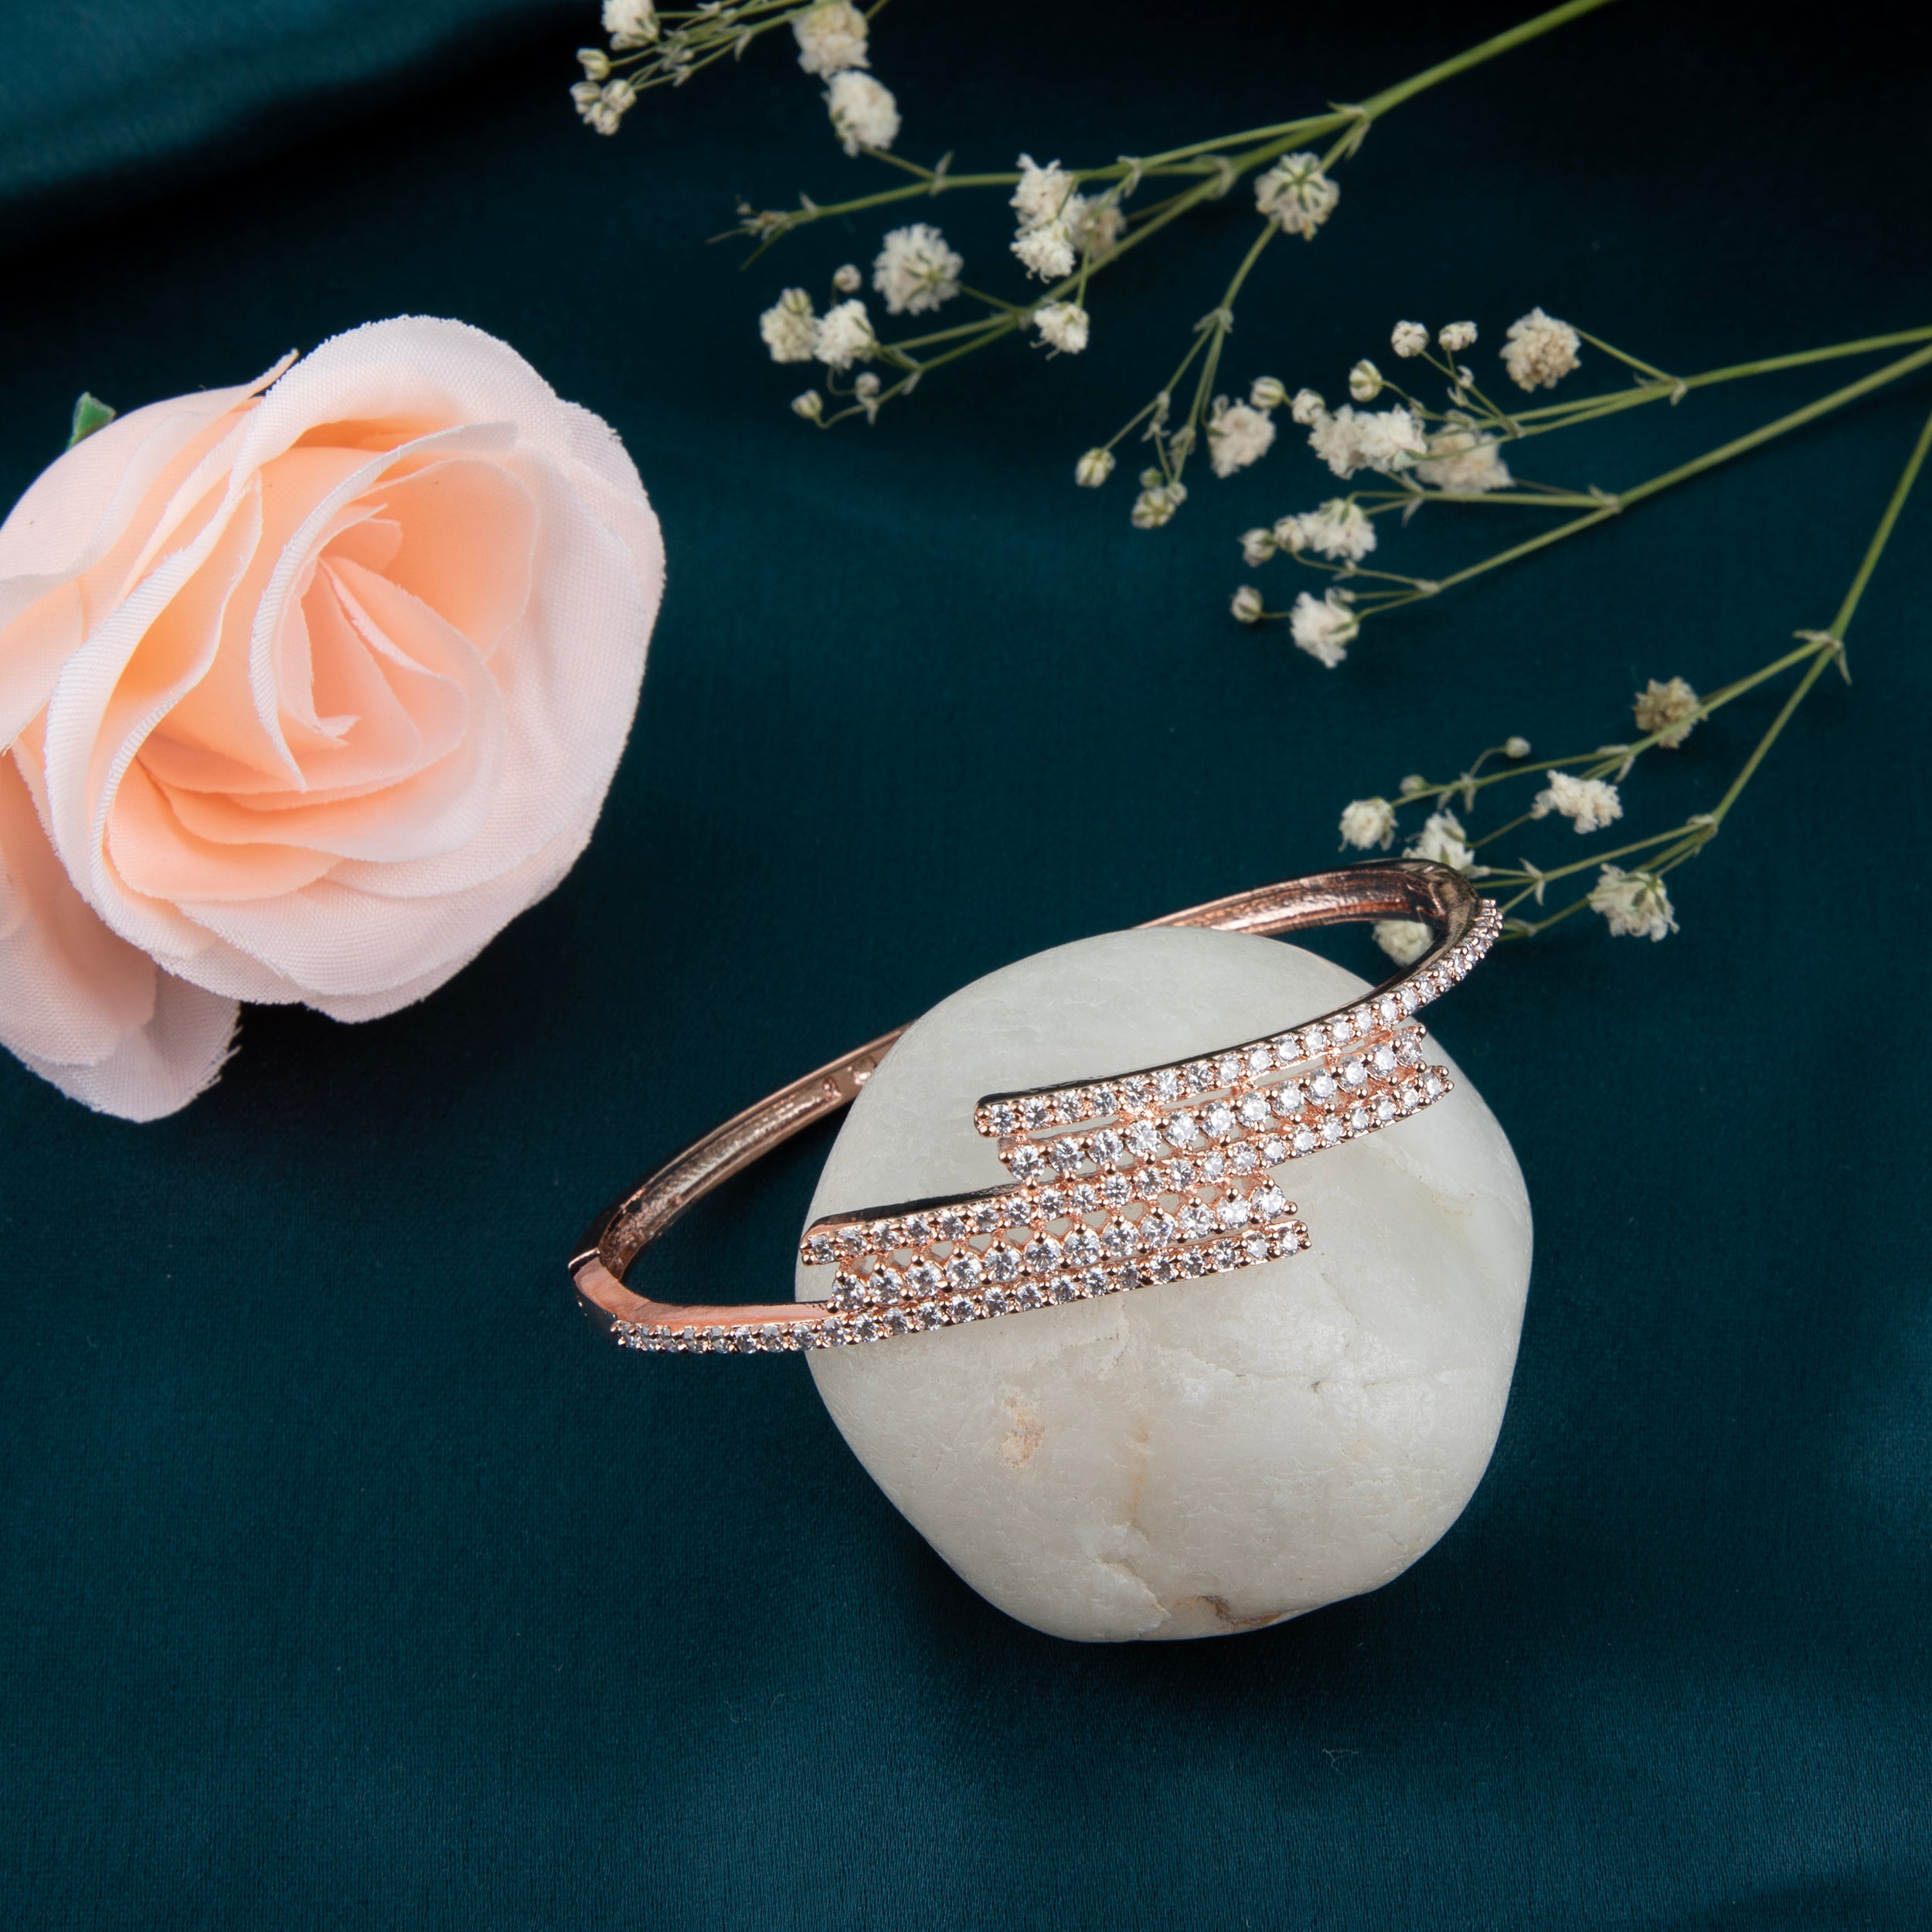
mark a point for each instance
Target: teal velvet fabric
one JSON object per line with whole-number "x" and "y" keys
{"x": 347, "y": 1579}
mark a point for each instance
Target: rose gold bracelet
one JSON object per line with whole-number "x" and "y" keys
{"x": 1115, "y": 1183}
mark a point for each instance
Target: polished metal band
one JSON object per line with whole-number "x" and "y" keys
{"x": 1116, "y": 1182}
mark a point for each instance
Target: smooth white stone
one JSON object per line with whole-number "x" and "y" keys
{"x": 1203, "y": 1456}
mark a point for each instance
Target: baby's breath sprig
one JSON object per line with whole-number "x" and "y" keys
{"x": 1584, "y": 788}
{"x": 1421, "y": 454}
{"x": 649, "y": 49}
{"x": 1073, "y": 225}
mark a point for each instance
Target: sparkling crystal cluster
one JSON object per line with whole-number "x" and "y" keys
{"x": 1165, "y": 1174}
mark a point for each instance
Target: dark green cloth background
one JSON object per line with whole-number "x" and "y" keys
{"x": 346, "y": 1579}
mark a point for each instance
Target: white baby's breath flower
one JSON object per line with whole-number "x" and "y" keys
{"x": 844, "y": 336}
{"x": 1590, "y": 803}
{"x": 1063, "y": 326}
{"x": 1093, "y": 468}
{"x": 1540, "y": 351}
{"x": 1247, "y": 605}
{"x": 1045, "y": 250}
{"x": 1457, "y": 336}
{"x": 1094, "y": 226}
{"x": 810, "y": 405}
{"x": 1042, "y": 192}
{"x": 604, "y": 107}
{"x": 1635, "y": 903}
{"x": 864, "y": 114}
{"x": 1405, "y": 941}
{"x": 1368, "y": 822}
{"x": 1238, "y": 434}
{"x": 1442, "y": 838}
{"x": 1296, "y": 195}
{"x": 1339, "y": 528}
{"x": 1267, "y": 393}
{"x": 629, "y": 23}
{"x": 1325, "y": 629}
{"x": 1308, "y": 409}
{"x": 595, "y": 63}
{"x": 831, "y": 38}
{"x": 790, "y": 329}
{"x": 865, "y": 391}
{"x": 1386, "y": 441}
{"x": 1156, "y": 505}
{"x": 1516, "y": 747}
{"x": 1668, "y": 709}
{"x": 916, "y": 270}
{"x": 1409, "y": 338}
{"x": 1365, "y": 381}
{"x": 1462, "y": 459}
{"x": 848, "y": 280}
{"x": 1258, "y": 547}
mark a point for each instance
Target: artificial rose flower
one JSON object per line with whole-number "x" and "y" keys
{"x": 307, "y": 688}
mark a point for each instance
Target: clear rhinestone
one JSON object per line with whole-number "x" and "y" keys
{"x": 983, "y": 1217}
{"x": 1222, "y": 1256}
{"x": 1067, "y": 1155}
{"x": 896, "y": 1321}
{"x": 1042, "y": 1254}
{"x": 1354, "y": 1073}
{"x": 865, "y": 1329}
{"x": 1243, "y": 1159}
{"x": 1274, "y": 1151}
{"x": 1217, "y": 1120}
{"x": 1407, "y": 997}
{"x": 887, "y": 1283}
{"x": 819, "y": 1252}
{"x": 919, "y": 1231}
{"x": 1385, "y": 1109}
{"x": 1269, "y": 1203}
{"x": 1003, "y": 1118}
{"x": 1200, "y": 1075}
{"x": 1136, "y": 1091}
{"x": 1341, "y": 1030}
{"x": 1288, "y": 1241}
{"x": 923, "y": 1280}
{"x": 1387, "y": 1012}
{"x": 1260, "y": 1059}
{"x": 1197, "y": 1221}
{"x": 1037, "y": 1111}
{"x": 832, "y": 1332}
{"x": 1383, "y": 1059}
{"x": 1029, "y": 1294}
{"x": 1288, "y": 1049}
{"x": 1252, "y": 1111}
{"x": 996, "y": 1302}
{"x": 1286, "y": 1099}
{"x": 1106, "y": 1100}
{"x": 1050, "y": 1205}
{"x": 1228, "y": 1069}
{"x": 1157, "y": 1229}
{"x": 1256, "y": 1247}
{"x": 1364, "y": 1022}
{"x": 849, "y": 1243}
{"x": 1322, "y": 1087}
{"x": 1332, "y": 1132}
{"x": 1169, "y": 1085}
{"x": 1116, "y": 1190}
{"x": 1410, "y": 1096}
{"x": 1180, "y": 1173}
{"x": 1150, "y": 1184}
{"x": 1084, "y": 1198}
{"x": 1304, "y": 1139}
{"x": 1092, "y": 1281}
{"x": 964, "y": 1270}
{"x": 1161, "y": 1268}
{"x": 1016, "y": 1211}
{"x": 1082, "y": 1248}
{"x": 1193, "y": 1263}
{"x": 1025, "y": 1162}
{"x": 1432, "y": 1084}
{"x": 961, "y": 1309}
{"x": 847, "y": 1291}
{"x": 1002, "y": 1263}
{"x": 1232, "y": 1212}
{"x": 1182, "y": 1130}
{"x": 1358, "y": 1118}
{"x": 1212, "y": 1166}
{"x": 929, "y": 1315}
{"x": 1072, "y": 1105}
{"x": 1144, "y": 1138}
{"x": 950, "y": 1225}
{"x": 1109, "y": 1147}
{"x": 1120, "y": 1239}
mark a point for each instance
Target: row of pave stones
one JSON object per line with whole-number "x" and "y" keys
{"x": 1011, "y": 1113}
{"x": 835, "y": 1330}
{"x": 1334, "y": 1108}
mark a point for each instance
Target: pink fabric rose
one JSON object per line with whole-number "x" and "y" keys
{"x": 307, "y": 688}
